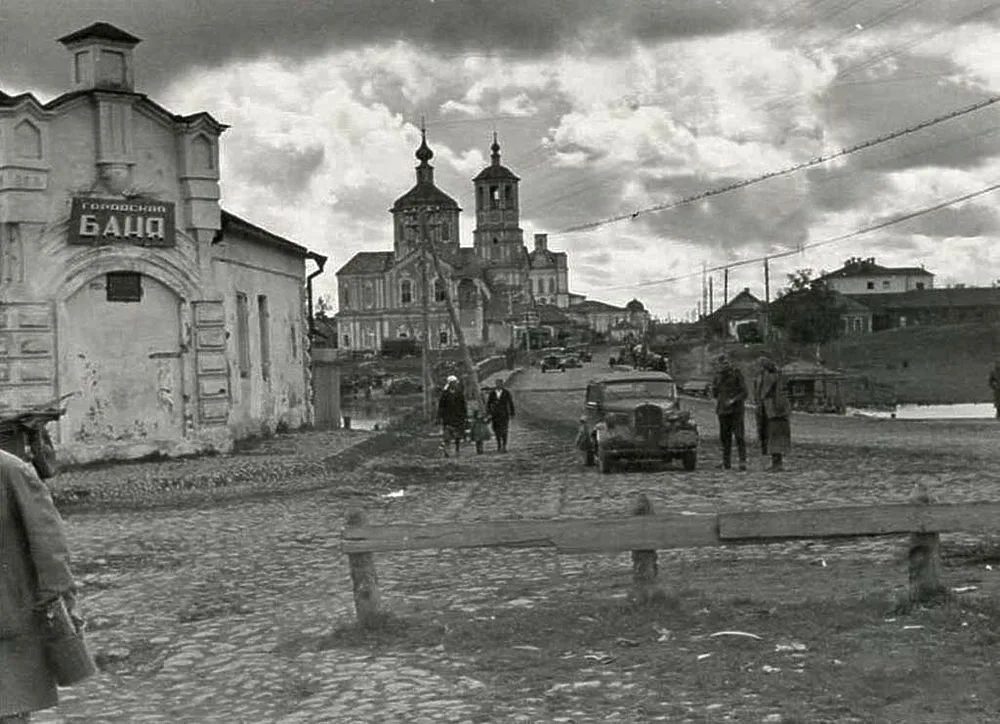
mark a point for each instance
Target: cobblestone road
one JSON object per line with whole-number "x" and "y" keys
{"x": 214, "y": 613}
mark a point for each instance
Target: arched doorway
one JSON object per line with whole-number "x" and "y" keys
{"x": 120, "y": 345}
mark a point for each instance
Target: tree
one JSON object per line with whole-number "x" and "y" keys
{"x": 324, "y": 306}
{"x": 808, "y": 311}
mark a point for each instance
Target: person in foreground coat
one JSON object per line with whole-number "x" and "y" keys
{"x": 730, "y": 391}
{"x": 34, "y": 569}
{"x": 452, "y": 414}
{"x": 500, "y": 410}
{"x": 773, "y": 414}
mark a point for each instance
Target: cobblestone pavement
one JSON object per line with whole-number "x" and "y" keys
{"x": 217, "y": 613}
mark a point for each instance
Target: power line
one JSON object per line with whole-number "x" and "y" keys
{"x": 842, "y": 237}
{"x": 783, "y": 172}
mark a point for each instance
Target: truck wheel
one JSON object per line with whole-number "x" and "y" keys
{"x": 690, "y": 460}
{"x": 603, "y": 461}
{"x": 588, "y": 457}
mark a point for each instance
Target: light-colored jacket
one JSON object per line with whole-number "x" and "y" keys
{"x": 34, "y": 566}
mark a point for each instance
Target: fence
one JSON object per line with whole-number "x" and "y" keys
{"x": 644, "y": 533}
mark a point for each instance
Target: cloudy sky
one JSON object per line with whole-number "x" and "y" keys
{"x": 603, "y": 108}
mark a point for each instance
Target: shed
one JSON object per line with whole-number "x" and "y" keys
{"x": 811, "y": 387}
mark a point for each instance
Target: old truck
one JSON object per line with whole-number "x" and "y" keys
{"x": 636, "y": 415}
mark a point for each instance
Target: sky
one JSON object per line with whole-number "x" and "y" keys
{"x": 602, "y": 107}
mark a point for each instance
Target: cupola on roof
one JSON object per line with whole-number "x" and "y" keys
{"x": 100, "y": 31}
{"x": 425, "y": 193}
{"x": 496, "y": 171}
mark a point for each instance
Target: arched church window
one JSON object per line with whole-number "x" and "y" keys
{"x": 369, "y": 296}
{"x": 406, "y": 292}
{"x": 445, "y": 231}
{"x": 440, "y": 293}
{"x": 508, "y": 194}
{"x": 552, "y": 285}
{"x": 494, "y": 197}
{"x": 201, "y": 154}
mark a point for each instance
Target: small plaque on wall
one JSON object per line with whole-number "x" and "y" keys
{"x": 99, "y": 222}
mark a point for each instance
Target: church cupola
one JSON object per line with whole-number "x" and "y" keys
{"x": 425, "y": 210}
{"x": 498, "y": 236}
{"x": 101, "y": 58}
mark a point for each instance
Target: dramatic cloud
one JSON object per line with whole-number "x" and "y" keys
{"x": 604, "y": 108}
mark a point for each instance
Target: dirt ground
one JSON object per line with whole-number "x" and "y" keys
{"x": 239, "y": 610}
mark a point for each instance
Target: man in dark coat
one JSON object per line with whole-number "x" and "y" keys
{"x": 452, "y": 415}
{"x": 773, "y": 413}
{"x": 500, "y": 409}
{"x": 995, "y": 386}
{"x": 730, "y": 391}
{"x": 34, "y": 568}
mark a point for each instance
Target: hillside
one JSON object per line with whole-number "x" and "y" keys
{"x": 922, "y": 364}
{"x": 929, "y": 365}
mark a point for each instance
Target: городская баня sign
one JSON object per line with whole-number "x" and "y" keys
{"x": 97, "y": 222}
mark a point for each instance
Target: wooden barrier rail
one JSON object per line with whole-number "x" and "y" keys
{"x": 643, "y": 533}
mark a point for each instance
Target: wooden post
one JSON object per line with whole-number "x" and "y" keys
{"x": 364, "y": 579}
{"x": 924, "y": 557}
{"x": 644, "y": 566}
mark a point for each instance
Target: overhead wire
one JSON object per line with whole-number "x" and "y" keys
{"x": 812, "y": 245}
{"x": 782, "y": 172}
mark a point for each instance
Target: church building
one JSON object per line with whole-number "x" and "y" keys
{"x": 381, "y": 294}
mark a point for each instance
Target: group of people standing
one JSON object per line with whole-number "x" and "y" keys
{"x": 453, "y": 416}
{"x": 773, "y": 412}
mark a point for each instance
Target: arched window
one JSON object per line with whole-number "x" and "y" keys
{"x": 552, "y": 285}
{"x": 445, "y": 231}
{"x": 28, "y": 140}
{"x": 406, "y": 292}
{"x": 440, "y": 293}
{"x": 508, "y": 193}
{"x": 202, "y": 157}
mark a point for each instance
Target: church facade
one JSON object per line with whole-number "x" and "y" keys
{"x": 382, "y": 294}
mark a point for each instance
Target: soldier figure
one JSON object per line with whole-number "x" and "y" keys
{"x": 729, "y": 388}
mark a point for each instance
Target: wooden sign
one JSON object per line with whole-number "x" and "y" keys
{"x": 99, "y": 222}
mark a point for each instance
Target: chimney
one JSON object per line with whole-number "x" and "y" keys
{"x": 541, "y": 242}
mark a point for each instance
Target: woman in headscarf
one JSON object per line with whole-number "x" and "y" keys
{"x": 773, "y": 413}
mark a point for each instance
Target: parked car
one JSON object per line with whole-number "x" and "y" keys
{"x": 636, "y": 416}
{"x": 553, "y": 362}
{"x": 571, "y": 360}
{"x": 585, "y": 355}
{"x": 697, "y": 388}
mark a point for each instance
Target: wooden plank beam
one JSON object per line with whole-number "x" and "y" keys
{"x": 607, "y": 535}
{"x": 858, "y": 521}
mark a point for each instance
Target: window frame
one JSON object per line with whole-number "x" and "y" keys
{"x": 115, "y": 294}
{"x": 264, "y": 335}
{"x": 243, "y": 334}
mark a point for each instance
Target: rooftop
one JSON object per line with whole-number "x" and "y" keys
{"x": 100, "y": 31}
{"x": 858, "y": 267}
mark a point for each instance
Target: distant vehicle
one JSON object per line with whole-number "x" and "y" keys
{"x": 571, "y": 360}
{"x": 697, "y": 388}
{"x": 553, "y": 362}
{"x": 404, "y": 386}
{"x": 585, "y": 355}
{"x": 636, "y": 416}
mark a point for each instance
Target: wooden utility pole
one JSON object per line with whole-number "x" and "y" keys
{"x": 711, "y": 294}
{"x": 767, "y": 300}
{"x": 472, "y": 377}
{"x": 725, "y": 301}
{"x": 425, "y": 311}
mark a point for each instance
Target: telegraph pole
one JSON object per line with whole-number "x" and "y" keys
{"x": 725, "y": 301}
{"x": 767, "y": 300}
{"x": 711, "y": 295}
{"x": 425, "y": 311}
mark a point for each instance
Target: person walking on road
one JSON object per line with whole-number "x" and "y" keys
{"x": 995, "y": 386}
{"x": 500, "y": 409}
{"x": 729, "y": 388}
{"x": 773, "y": 414}
{"x": 452, "y": 415}
{"x": 34, "y": 571}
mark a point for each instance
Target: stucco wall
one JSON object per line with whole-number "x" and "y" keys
{"x": 262, "y": 403}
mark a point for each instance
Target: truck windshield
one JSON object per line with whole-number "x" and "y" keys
{"x": 639, "y": 388}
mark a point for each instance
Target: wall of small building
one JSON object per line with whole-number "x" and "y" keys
{"x": 887, "y": 284}
{"x": 268, "y": 380}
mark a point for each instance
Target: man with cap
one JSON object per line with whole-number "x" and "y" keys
{"x": 451, "y": 414}
{"x": 729, "y": 388}
{"x": 500, "y": 408}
